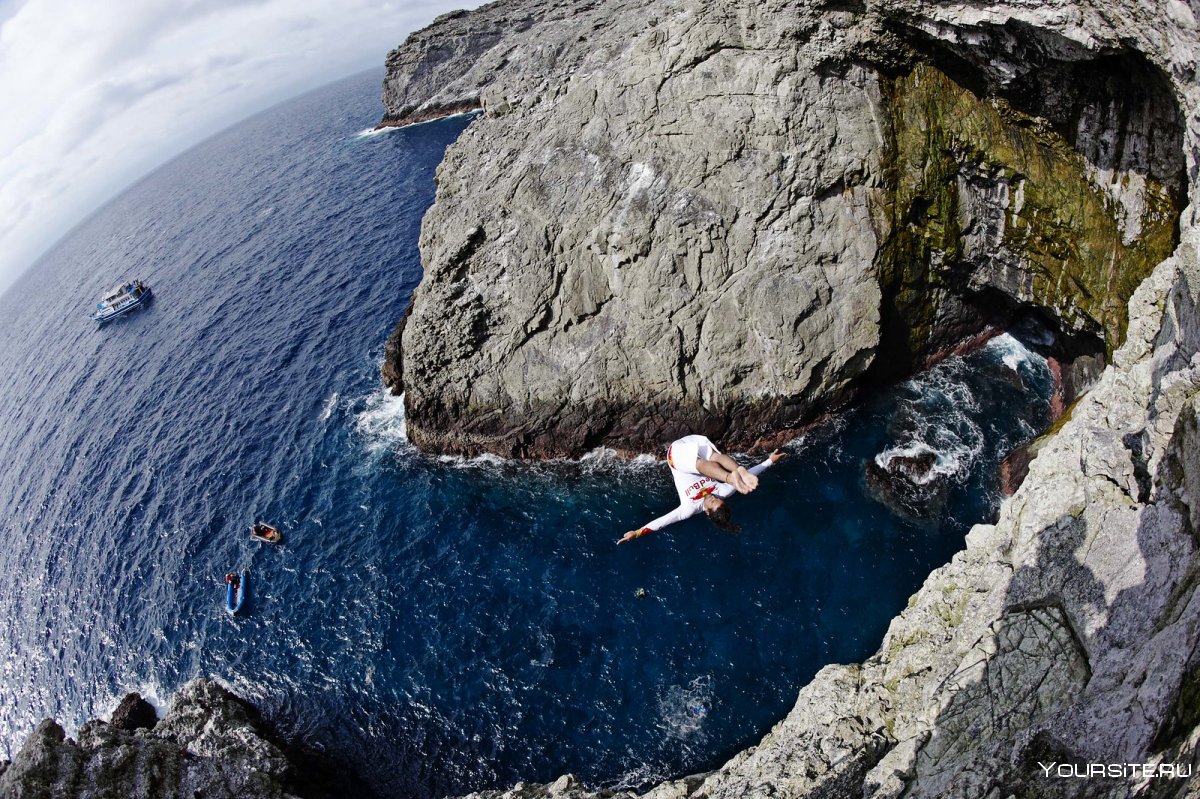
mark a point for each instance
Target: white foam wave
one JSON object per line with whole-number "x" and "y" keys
{"x": 638, "y": 777}
{"x": 605, "y": 459}
{"x": 376, "y": 131}
{"x": 935, "y": 414}
{"x": 381, "y": 422}
{"x": 944, "y": 464}
{"x": 154, "y": 693}
{"x": 368, "y": 132}
{"x": 599, "y": 459}
{"x": 330, "y": 404}
{"x": 485, "y": 460}
{"x": 683, "y": 709}
{"x": 1011, "y": 351}
{"x": 602, "y": 454}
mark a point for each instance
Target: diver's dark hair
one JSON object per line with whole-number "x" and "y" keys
{"x": 723, "y": 519}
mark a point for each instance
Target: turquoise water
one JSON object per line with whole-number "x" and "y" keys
{"x": 437, "y": 625}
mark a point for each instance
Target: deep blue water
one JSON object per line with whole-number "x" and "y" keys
{"x": 439, "y": 626}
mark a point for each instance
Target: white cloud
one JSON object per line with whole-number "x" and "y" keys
{"x": 95, "y": 95}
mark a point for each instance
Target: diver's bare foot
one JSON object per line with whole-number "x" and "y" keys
{"x": 748, "y": 479}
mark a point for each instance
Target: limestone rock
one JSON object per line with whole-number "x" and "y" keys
{"x": 441, "y": 69}
{"x": 708, "y": 216}
{"x": 686, "y": 260}
{"x": 210, "y": 744}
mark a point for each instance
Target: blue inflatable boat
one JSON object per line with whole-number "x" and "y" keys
{"x": 235, "y": 591}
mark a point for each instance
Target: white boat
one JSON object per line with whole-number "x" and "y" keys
{"x": 121, "y": 300}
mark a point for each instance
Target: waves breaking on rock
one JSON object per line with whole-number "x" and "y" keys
{"x": 937, "y": 429}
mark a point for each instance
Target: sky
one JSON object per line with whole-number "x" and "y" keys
{"x": 95, "y": 95}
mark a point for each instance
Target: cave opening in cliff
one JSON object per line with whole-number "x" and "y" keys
{"x": 1029, "y": 176}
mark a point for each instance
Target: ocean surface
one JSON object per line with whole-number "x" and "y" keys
{"x": 435, "y": 625}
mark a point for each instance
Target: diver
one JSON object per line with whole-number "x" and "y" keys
{"x": 704, "y": 477}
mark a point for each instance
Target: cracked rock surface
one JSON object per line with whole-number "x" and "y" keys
{"x": 726, "y": 217}
{"x": 705, "y": 211}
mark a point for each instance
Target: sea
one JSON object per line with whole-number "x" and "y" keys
{"x": 432, "y": 625}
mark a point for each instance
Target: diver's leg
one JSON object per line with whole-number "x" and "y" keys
{"x": 740, "y": 477}
{"x": 716, "y": 470}
{"x": 712, "y": 469}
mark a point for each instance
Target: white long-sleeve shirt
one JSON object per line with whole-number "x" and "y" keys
{"x": 693, "y": 488}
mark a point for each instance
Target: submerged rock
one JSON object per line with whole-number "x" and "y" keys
{"x": 908, "y": 483}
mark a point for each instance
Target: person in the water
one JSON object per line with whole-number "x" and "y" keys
{"x": 704, "y": 477}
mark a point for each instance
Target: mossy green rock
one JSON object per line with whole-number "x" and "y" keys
{"x": 988, "y": 197}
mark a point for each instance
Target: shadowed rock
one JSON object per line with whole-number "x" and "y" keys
{"x": 134, "y": 713}
{"x": 211, "y": 744}
{"x": 1014, "y": 468}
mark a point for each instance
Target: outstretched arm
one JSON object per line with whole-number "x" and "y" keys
{"x": 677, "y": 515}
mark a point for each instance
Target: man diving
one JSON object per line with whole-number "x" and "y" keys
{"x": 704, "y": 477}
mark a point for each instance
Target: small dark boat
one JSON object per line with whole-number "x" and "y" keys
{"x": 235, "y": 591}
{"x": 261, "y": 531}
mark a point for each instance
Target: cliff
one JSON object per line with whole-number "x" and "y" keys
{"x": 702, "y": 216}
{"x": 728, "y": 217}
{"x": 211, "y": 744}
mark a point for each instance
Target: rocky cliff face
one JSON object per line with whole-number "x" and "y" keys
{"x": 723, "y": 216}
{"x": 706, "y": 215}
{"x": 1066, "y": 634}
{"x": 211, "y": 744}
{"x": 426, "y": 77}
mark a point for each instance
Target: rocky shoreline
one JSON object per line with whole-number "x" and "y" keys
{"x": 210, "y": 744}
{"x": 724, "y": 217}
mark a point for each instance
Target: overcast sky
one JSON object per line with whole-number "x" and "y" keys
{"x": 97, "y": 94}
